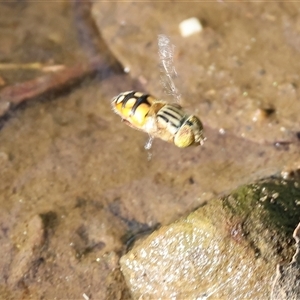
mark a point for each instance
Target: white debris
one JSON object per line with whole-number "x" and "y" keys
{"x": 85, "y": 296}
{"x": 190, "y": 26}
{"x": 126, "y": 69}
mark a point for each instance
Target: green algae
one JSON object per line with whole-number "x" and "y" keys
{"x": 268, "y": 212}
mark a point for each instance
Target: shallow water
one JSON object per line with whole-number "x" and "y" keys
{"x": 67, "y": 154}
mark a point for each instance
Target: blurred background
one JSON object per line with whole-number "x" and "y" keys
{"x": 76, "y": 183}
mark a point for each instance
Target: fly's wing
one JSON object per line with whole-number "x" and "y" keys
{"x": 166, "y": 55}
{"x": 168, "y": 72}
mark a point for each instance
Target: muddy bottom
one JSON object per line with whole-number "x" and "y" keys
{"x": 77, "y": 184}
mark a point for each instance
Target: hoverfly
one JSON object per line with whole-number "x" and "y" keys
{"x": 158, "y": 118}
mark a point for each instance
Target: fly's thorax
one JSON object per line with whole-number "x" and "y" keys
{"x": 171, "y": 116}
{"x": 133, "y": 107}
{"x": 190, "y": 133}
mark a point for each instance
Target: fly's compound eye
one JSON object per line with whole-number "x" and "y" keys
{"x": 190, "y": 133}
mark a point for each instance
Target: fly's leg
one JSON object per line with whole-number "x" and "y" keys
{"x": 148, "y": 146}
{"x": 149, "y": 143}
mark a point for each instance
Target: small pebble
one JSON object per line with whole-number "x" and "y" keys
{"x": 262, "y": 114}
{"x": 190, "y": 26}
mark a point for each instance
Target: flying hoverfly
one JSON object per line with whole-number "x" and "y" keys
{"x": 158, "y": 118}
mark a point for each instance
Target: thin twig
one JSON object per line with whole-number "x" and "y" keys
{"x": 15, "y": 94}
{"x": 100, "y": 58}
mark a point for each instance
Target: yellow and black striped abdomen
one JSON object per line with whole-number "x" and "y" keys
{"x": 133, "y": 107}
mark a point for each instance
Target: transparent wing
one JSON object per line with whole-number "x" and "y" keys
{"x": 166, "y": 55}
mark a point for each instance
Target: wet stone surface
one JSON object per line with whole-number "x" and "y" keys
{"x": 227, "y": 249}
{"x": 287, "y": 283}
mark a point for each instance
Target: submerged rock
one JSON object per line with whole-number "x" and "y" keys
{"x": 227, "y": 249}
{"x": 28, "y": 258}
